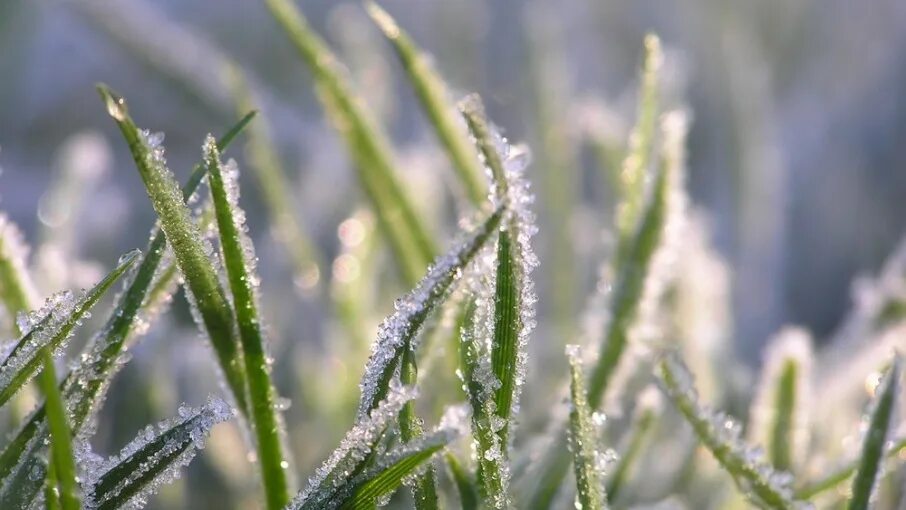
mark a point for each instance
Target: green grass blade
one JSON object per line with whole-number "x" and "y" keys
{"x": 399, "y": 331}
{"x": 582, "y": 439}
{"x": 84, "y": 387}
{"x": 639, "y": 155}
{"x": 61, "y": 457}
{"x": 390, "y": 472}
{"x": 51, "y": 490}
{"x": 239, "y": 257}
{"x": 875, "y": 438}
{"x": 835, "y": 479}
{"x": 370, "y": 152}
{"x": 505, "y": 347}
{"x": 639, "y": 431}
{"x": 51, "y": 327}
{"x": 434, "y": 97}
{"x": 465, "y": 484}
{"x": 152, "y": 460}
{"x": 16, "y": 290}
{"x": 719, "y": 433}
{"x": 492, "y": 480}
{"x": 275, "y": 187}
{"x": 424, "y": 486}
{"x": 472, "y": 109}
{"x": 185, "y": 240}
{"x": 356, "y": 450}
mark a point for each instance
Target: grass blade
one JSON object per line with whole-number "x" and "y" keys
{"x": 185, "y": 240}
{"x": 356, "y": 449}
{"x": 61, "y": 457}
{"x": 150, "y": 460}
{"x": 239, "y": 257}
{"x": 875, "y": 438}
{"x": 17, "y": 292}
{"x": 434, "y": 97}
{"x": 838, "y": 477}
{"x": 582, "y": 438}
{"x": 477, "y": 376}
{"x": 505, "y": 348}
{"x": 424, "y": 486}
{"x": 465, "y": 484}
{"x": 50, "y": 328}
{"x": 778, "y": 412}
{"x": 84, "y": 388}
{"x": 275, "y": 188}
{"x": 368, "y": 147}
{"x": 390, "y": 471}
{"x": 399, "y": 331}
{"x": 719, "y": 433}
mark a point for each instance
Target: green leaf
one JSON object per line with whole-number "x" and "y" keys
{"x": 390, "y": 471}
{"x": 152, "y": 460}
{"x": 472, "y": 109}
{"x": 399, "y": 331}
{"x": 719, "y": 433}
{"x": 424, "y": 486}
{"x": 505, "y": 347}
{"x": 465, "y": 484}
{"x": 184, "y": 238}
{"x": 583, "y": 440}
{"x": 51, "y": 327}
{"x": 85, "y": 386}
{"x": 16, "y": 289}
{"x": 875, "y": 438}
{"x": 838, "y": 477}
{"x": 434, "y": 97}
{"x": 61, "y": 457}
{"x": 489, "y": 449}
{"x": 239, "y": 257}
{"x": 408, "y": 237}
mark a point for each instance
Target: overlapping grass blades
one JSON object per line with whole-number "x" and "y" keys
{"x": 582, "y": 436}
{"x": 424, "y": 486}
{"x": 239, "y": 260}
{"x": 49, "y": 329}
{"x": 151, "y": 283}
{"x": 434, "y": 97}
{"x": 399, "y": 331}
{"x": 873, "y": 445}
{"x": 152, "y": 460}
{"x": 720, "y": 434}
{"x": 412, "y": 245}
{"x": 184, "y": 238}
{"x": 63, "y": 485}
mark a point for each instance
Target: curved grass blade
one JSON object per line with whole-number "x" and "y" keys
{"x": 408, "y": 237}
{"x": 719, "y": 433}
{"x": 390, "y": 471}
{"x": 275, "y": 188}
{"x": 356, "y": 450}
{"x": 17, "y": 292}
{"x": 587, "y": 463}
{"x": 641, "y": 144}
{"x": 61, "y": 457}
{"x": 778, "y": 417}
{"x": 152, "y": 460}
{"x": 875, "y": 438}
{"x": 492, "y": 477}
{"x": 465, "y": 485}
{"x": 433, "y": 95}
{"x": 150, "y": 285}
{"x": 51, "y": 328}
{"x": 239, "y": 257}
{"x": 472, "y": 109}
{"x": 838, "y": 477}
{"x": 423, "y": 486}
{"x": 639, "y": 431}
{"x": 184, "y": 238}
{"x": 399, "y": 331}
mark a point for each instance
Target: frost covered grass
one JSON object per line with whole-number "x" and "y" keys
{"x": 444, "y": 410}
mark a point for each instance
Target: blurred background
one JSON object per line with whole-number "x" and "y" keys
{"x": 796, "y": 154}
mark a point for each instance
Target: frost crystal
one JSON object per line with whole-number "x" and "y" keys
{"x": 154, "y": 458}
